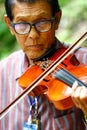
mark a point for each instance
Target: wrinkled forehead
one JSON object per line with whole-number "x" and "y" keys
{"x": 9, "y": 5}
{"x": 41, "y": 7}
{"x": 40, "y": 10}
{"x": 29, "y": 1}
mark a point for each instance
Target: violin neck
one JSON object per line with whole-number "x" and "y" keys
{"x": 66, "y": 77}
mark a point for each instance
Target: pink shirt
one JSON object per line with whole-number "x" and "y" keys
{"x": 51, "y": 119}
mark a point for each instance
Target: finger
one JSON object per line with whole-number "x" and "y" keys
{"x": 74, "y": 86}
{"x": 76, "y": 96}
{"x": 79, "y": 97}
{"x": 83, "y": 95}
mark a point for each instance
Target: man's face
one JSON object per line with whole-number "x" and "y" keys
{"x": 34, "y": 44}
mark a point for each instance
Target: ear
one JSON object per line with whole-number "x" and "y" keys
{"x": 58, "y": 17}
{"x": 8, "y": 23}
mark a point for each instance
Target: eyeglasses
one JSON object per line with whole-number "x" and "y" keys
{"x": 40, "y": 26}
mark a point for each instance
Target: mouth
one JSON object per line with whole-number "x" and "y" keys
{"x": 35, "y": 47}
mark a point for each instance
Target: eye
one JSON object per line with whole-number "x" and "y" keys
{"x": 43, "y": 25}
{"x": 21, "y": 26}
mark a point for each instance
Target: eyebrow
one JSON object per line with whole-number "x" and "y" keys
{"x": 42, "y": 15}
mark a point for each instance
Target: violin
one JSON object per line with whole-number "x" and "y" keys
{"x": 55, "y": 82}
{"x": 57, "y": 85}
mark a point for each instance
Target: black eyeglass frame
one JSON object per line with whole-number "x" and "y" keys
{"x": 33, "y": 24}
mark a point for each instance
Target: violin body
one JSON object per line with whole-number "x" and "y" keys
{"x": 58, "y": 92}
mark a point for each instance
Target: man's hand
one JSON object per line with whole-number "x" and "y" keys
{"x": 79, "y": 97}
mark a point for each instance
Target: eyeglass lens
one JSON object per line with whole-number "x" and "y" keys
{"x": 22, "y": 28}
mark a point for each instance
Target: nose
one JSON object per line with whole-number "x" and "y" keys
{"x": 33, "y": 34}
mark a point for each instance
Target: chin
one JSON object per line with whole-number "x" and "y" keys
{"x": 34, "y": 56}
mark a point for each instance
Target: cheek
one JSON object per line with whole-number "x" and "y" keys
{"x": 21, "y": 40}
{"x": 49, "y": 38}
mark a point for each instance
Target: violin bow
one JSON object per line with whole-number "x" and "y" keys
{"x": 65, "y": 54}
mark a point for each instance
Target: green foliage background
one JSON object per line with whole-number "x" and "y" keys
{"x": 72, "y": 26}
